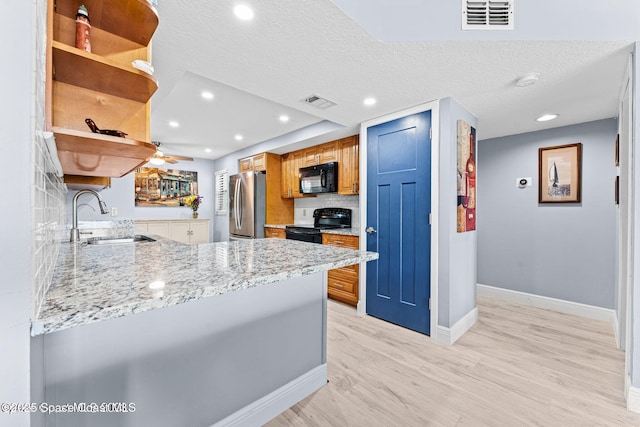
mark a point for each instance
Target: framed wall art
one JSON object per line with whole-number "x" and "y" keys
{"x": 560, "y": 174}
{"x": 164, "y": 187}
{"x": 466, "y": 209}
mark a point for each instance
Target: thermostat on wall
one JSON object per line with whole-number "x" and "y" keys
{"x": 524, "y": 182}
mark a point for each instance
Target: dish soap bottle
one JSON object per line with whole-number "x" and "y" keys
{"x": 83, "y": 29}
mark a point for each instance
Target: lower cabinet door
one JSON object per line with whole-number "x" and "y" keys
{"x": 179, "y": 231}
{"x": 199, "y": 232}
{"x": 159, "y": 228}
{"x": 342, "y": 285}
{"x": 277, "y": 233}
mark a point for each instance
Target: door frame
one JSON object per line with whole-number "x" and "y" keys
{"x": 435, "y": 185}
{"x": 624, "y": 284}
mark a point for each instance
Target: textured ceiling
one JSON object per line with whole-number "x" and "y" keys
{"x": 296, "y": 48}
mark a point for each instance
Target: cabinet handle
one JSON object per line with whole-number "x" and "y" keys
{"x": 338, "y": 242}
{"x": 338, "y": 284}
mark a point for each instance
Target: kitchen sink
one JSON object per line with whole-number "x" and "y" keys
{"x": 119, "y": 240}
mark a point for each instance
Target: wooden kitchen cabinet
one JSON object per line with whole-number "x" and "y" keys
{"x": 349, "y": 165}
{"x": 291, "y": 162}
{"x": 255, "y": 163}
{"x": 96, "y": 183}
{"x": 189, "y": 231}
{"x": 343, "y": 282}
{"x": 101, "y": 85}
{"x": 278, "y": 210}
{"x": 319, "y": 154}
{"x": 277, "y": 233}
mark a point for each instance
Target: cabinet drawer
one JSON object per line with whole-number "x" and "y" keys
{"x": 277, "y": 233}
{"x": 342, "y": 282}
{"x": 351, "y": 270}
{"x": 340, "y": 240}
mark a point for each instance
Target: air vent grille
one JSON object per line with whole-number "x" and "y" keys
{"x": 487, "y": 15}
{"x": 318, "y": 102}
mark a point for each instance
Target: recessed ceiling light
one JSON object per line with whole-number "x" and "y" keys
{"x": 207, "y": 150}
{"x": 527, "y": 79}
{"x": 243, "y": 12}
{"x": 284, "y": 118}
{"x": 174, "y": 124}
{"x": 547, "y": 117}
{"x": 238, "y": 137}
{"x": 369, "y": 101}
{"x": 207, "y": 95}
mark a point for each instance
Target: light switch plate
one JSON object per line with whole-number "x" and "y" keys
{"x": 114, "y": 211}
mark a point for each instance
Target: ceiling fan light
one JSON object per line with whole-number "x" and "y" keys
{"x": 157, "y": 159}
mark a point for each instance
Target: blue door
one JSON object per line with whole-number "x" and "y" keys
{"x": 398, "y": 207}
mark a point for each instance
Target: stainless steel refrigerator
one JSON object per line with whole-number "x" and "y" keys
{"x": 247, "y": 205}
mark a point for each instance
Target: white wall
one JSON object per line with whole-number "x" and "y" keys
{"x": 16, "y": 141}
{"x": 634, "y": 346}
{"x": 563, "y": 251}
{"x": 533, "y": 20}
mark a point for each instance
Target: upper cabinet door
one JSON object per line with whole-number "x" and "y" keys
{"x": 349, "y": 166}
{"x": 319, "y": 154}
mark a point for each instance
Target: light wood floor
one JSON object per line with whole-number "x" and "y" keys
{"x": 518, "y": 366}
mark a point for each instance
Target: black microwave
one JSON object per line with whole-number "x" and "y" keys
{"x": 319, "y": 179}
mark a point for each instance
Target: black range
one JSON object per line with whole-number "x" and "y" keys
{"x": 323, "y": 219}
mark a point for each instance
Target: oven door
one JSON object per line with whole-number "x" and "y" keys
{"x": 304, "y": 236}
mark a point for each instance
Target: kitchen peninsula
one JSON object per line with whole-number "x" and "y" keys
{"x": 230, "y": 333}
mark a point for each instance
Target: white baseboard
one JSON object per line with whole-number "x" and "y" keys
{"x": 448, "y": 336}
{"x": 633, "y": 396}
{"x": 273, "y": 404}
{"x": 567, "y": 307}
{"x": 616, "y": 328}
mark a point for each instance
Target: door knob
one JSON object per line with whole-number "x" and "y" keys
{"x": 370, "y": 230}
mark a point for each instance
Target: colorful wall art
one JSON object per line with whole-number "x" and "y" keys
{"x": 466, "y": 177}
{"x": 164, "y": 187}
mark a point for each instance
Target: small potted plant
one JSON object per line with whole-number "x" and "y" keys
{"x": 193, "y": 202}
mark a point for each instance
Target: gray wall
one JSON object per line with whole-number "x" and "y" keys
{"x": 457, "y": 254}
{"x": 563, "y": 251}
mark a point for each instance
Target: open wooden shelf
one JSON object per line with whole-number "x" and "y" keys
{"x": 96, "y": 183}
{"x": 90, "y": 71}
{"x": 93, "y": 154}
{"x": 135, "y": 20}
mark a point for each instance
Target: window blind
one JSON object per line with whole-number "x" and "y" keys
{"x": 222, "y": 192}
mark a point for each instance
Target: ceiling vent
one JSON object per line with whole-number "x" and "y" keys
{"x": 318, "y": 102}
{"x": 487, "y": 15}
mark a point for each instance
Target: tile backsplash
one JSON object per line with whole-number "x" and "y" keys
{"x": 303, "y": 207}
{"x": 48, "y": 195}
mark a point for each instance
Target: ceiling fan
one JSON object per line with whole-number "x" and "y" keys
{"x": 159, "y": 158}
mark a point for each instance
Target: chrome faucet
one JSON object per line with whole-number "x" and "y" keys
{"x": 75, "y": 233}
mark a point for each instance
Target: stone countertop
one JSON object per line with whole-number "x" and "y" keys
{"x": 342, "y": 231}
{"x": 92, "y": 283}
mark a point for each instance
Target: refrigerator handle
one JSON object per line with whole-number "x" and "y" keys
{"x": 240, "y": 206}
{"x": 235, "y": 203}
